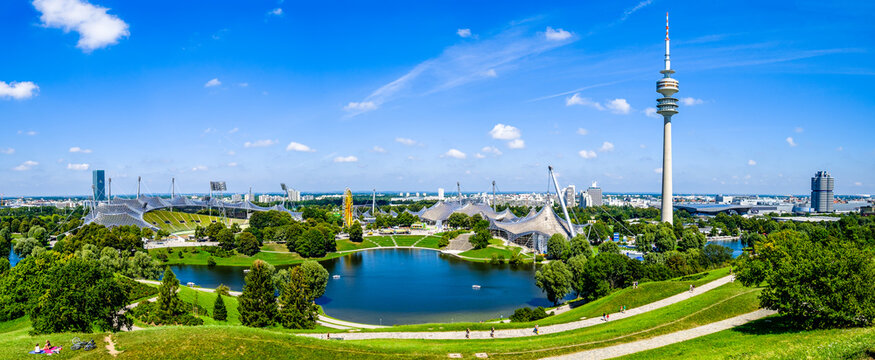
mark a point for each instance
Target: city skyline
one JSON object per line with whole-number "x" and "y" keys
{"x": 267, "y": 92}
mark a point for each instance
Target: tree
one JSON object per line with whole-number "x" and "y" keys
{"x": 474, "y": 219}
{"x": 96, "y": 301}
{"x": 39, "y": 233}
{"x": 717, "y": 254}
{"x": 557, "y": 247}
{"x": 609, "y": 247}
{"x": 749, "y": 238}
{"x": 814, "y": 282}
{"x": 142, "y": 266}
{"x": 225, "y": 237}
{"x": 580, "y": 246}
{"x": 5, "y": 242}
{"x": 257, "y": 304}
{"x": 665, "y": 239}
{"x": 315, "y": 277}
{"x": 691, "y": 239}
{"x": 458, "y": 220}
{"x": 604, "y": 272}
{"x": 247, "y": 244}
{"x": 577, "y": 266}
{"x": 212, "y": 230}
{"x": 554, "y": 279}
{"x": 219, "y": 311}
{"x": 297, "y": 311}
{"x": 170, "y": 307}
{"x": 24, "y": 246}
{"x": 480, "y": 239}
{"x": 355, "y": 233}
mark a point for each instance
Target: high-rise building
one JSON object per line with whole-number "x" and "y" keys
{"x": 585, "y": 199}
{"x": 821, "y": 192}
{"x": 570, "y": 199}
{"x": 440, "y": 193}
{"x": 666, "y": 106}
{"x": 595, "y": 195}
{"x": 98, "y": 182}
{"x": 294, "y": 195}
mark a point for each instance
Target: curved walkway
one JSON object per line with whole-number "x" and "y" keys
{"x": 667, "y": 339}
{"x": 512, "y": 333}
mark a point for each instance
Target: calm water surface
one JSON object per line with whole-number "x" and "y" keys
{"x": 405, "y": 286}
{"x": 735, "y": 245}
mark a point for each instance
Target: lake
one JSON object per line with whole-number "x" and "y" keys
{"x": 405, "y": 286}
{"x": 735, "y": 245}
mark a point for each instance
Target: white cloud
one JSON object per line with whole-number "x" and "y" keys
{"x": 465, "y": 33}
{"x": 635, "y": 8}
{"x": 651, "y": 112}
{"x": 232, "y": 164}
{"x": 516, "y": 144}
{"x": 295, "y": 146}
{"x": 582, "y": 131}
{"x": 490, "y": 73}
{"x": 751, "y": 162}
{"x": 504, "y": 132}
{"x": 642, "y": 146}
{"x": 479, "y": 156}
{"x": 31, "y": 133}
{"x": 234, "y": 130}
{"x": 619, "y": 106}
{"x": 276, "y": 12}
{"x": 689, "y": 101}
{"x": 18, "y": 90}
{"x": 232, "y": 152}
{"x": 213, "y": 82}
{"x": 799, "y": 129}
{"x": 27, "y": 165}
{"x": 557, "y": 34}
{"x": 360, "y": 107}
{"x": 7, "y": 151}
{"x": 658, "y": 170}
{"x": 587, "y": 154}
{"x": 209, "y": 130}
{"x": 243, "y": 84}
{"x": 78, "y": 167}
{"x": 607, "y": 146}
{"x": 577, "y": 100}
{"x": 406, "y": 141}
{"x": 199, "y": 168}
{"x": 453, "y": 153}
{"x": 790, "y": 141}
{"x": 858, "y": 183}
{"x": 378, "y": 149}
{"x": 259, "y": 143}
{"x": 96, "y": 28}
{"x": 491, "y": 150}
{"x": 345, "y": 159}
{"x": 77, "y": 149}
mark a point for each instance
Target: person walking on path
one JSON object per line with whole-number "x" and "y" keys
{"x": 691, "y": 287}
{"x": 604, "y": 317}
{"x": 468, "y": 333}
{"x": 607, "y": 317}
{"x": 492, "y": 332}
{"x": 536, "y": 329}
{"x": 624, "y": 309}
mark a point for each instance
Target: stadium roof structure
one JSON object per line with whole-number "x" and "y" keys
{"x": 714, "y": 209}
{"x": 123, "y": 212}
{"x": 533, "y": 230}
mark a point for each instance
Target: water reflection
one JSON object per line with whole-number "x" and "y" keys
{"x": 735, "y": 245}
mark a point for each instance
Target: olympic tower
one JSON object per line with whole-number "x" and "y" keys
{"x": 666, "y": 106}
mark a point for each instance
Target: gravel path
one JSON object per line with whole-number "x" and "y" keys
{"x": 667, "y": 339}
{"x": 548, "y": 329}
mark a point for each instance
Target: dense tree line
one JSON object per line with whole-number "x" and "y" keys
{"x": 298, "y": 288}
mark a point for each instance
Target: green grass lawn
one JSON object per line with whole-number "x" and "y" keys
{"x": 496, "y": 247}
{"x": 381, "y": 240}
{"x": 771, "y": 338}
{"x": 15, "y": 342}
{"x": 207, "y": 300}
{"x": 346, "y": 245}
{"x": 429, "y": 242}
{"x": 275, "y": 247}
{"x": 407, "y": 240}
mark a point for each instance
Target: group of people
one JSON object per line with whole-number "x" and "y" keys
{"x": 47, "y": 349}
{"x": 492, "y": 332}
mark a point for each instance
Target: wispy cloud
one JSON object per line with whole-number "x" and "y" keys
{"x": 491, "y": 150}
{"x": 199, "y": 168}
{"x": 78, "y": 167}
{"x": 276, "y": 12}
{"x": 25, "y": 166}
{"x": 96, "y": 28}
{"x": 587, "y": 154}
{"x": 607, "y": 146}
{"x": 459, "y": 65}
{"x": 295, "y": 146}
{"x": 651, "y": 112}
{"x": 378, "y": 149}
{"x": 345, "y": 159}
{"x": 790, "y": 141}
{"x": 635, "y": 8}
{"x": 582, "y": 131}
{"x": 259, "y": 143}
{"x": 7, "y": 151}
{"x": 616, "y": 106}
{"x": 690, "y": 101}
{"x": 405, "y": 141}
{"x": 77, "y": 149}
{"x": 454, "y": 153}
{"x": 18, "y": 90}
{"x": 465, "y": 33}
{"x": 213, "y": 82}
{"x": 619, "y": 106}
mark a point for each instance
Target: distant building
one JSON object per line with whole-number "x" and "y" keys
{"x": 249, "y": 197}
{"x": 822, "y": 192}
{"x": 236, "y": 198}
{"x": 294, "y": 195}
{"x": 570, "y": 198}
{"x": 585, "y": 200}
{"x": 98, "y": 181}
{"x": 440, "y": 193}
{"x": 595, "y": 193}
{"x": 723, "y": 199}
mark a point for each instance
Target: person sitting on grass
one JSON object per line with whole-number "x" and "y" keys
{"x": 48, "y": 346}
{"x": 37, "y": 350}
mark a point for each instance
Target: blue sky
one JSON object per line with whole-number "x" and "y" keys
{"x": 412, "y": 96}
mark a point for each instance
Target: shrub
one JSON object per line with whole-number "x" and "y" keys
{"x": 136, "y": 289}
{"x": 494, "y": 260}
{"x": 162, "y": 256}
{"x": 527, "y": 314}
{"x": 211, "y": 261}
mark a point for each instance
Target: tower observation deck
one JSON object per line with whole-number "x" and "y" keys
{"x": 667, "y": 106}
